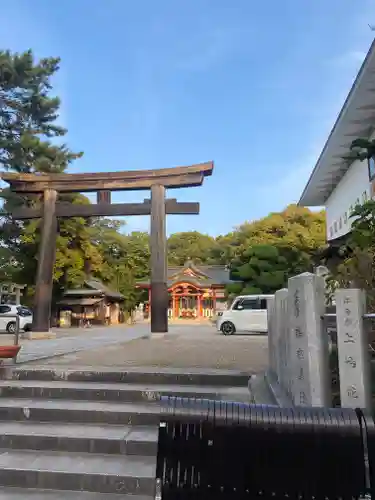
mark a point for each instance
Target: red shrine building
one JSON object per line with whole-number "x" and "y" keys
{"x": 195, "y": 291}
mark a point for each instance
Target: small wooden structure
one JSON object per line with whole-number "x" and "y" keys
{"x": 194, "y": 291}
{"x": 94, "y": 302}
{"x": 103, "y": 183}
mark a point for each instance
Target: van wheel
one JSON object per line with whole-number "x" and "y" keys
{"x": 11, "y": 327}
{"x": 228, "y": 328}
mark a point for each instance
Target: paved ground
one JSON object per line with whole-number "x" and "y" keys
{"x": 184, "y": 346}
{"x": 74, "y": 340}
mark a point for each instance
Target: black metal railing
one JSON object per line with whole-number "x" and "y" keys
{"x": 221, "y": 450}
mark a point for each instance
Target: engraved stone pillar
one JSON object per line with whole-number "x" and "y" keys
{"x": 309, "y": 364}
{"x": 284, "y": 340}
{"x": 352, "y": 343}
{"x": 280, "y": 295}
{"x": 271, "y": 335}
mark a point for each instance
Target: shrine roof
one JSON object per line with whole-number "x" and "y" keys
{"x": 198, "y": 274}
{"x": 93, "y": 288}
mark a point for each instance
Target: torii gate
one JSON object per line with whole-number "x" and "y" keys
{"x": 103, "y": 184}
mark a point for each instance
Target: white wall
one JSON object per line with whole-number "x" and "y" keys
{"x": 353, "y": 188}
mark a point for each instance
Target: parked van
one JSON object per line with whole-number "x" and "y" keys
{"x": 247, "y": 314}
{"x": 8, "y": 313}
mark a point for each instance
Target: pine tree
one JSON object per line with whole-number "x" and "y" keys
{"x": 29, "y": 143}
{"x": 28, "y": 115}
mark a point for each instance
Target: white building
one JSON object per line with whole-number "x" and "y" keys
{"x": 336, "y": 183}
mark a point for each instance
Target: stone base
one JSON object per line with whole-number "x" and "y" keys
{"x": 156, "y": 336}
{"x": 282, "y": 399}
{"x": 39, "y": 335}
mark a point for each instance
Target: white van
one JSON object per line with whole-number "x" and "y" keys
{"x": 8, "y": 324}
{"x": 247, "y": 314}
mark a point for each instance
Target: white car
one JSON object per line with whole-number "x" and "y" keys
{"x": 247, "y": 314}
{"x": 8, "y": 319}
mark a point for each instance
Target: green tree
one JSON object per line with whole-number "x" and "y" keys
{"x": 191, "y": 245}
{"x": 8, "y": 265}
{"x": 362, "y": 149}
{"x": 357, "y": 267}
{"x": 294, "y": 228}
{"x": 125, "y": 261}
{"x": 28, "y": 126}
{"x": 28, "y": 115}
{"x": 290, "y": 239}
{"x": 262, "y": 270}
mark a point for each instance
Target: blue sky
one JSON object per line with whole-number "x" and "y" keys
{"x": 254, "y": 86}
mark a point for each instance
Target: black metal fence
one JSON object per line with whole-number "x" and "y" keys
{"x": 222, "y": 450}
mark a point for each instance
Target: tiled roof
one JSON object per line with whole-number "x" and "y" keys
{"x": 95, "y": 288}
{"x": 201, "y": 275}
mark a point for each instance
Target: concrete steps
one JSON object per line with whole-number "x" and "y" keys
{"x": 114, "y": 392}
{"x": 75, "y": 471}
{"x": 37, "y": 494}
{"x": 91, "y": 434}
{"x": 142, "y": 375}
{"x": 89, "y": 412}
{"x": 111, "y": 440}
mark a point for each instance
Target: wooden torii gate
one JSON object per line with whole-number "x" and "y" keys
{"x": 103, "y": 184}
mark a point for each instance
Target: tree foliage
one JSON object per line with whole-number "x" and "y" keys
{"x": 28, "y": 115}
{"x": 265, "y": 253}
{"x": 193, "y": 245}
{"x": 264, "y": 270}
{"x": 357, "y": 269}
{"x": 28, "y": 126}
{"x": 125, "y": 261}
{"x": 362, "y": 149}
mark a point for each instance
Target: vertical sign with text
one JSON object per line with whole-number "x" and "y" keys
{"x": 281, "y": 362}
{"x": 298, "y": 348}
{"x": 352, "y": 343}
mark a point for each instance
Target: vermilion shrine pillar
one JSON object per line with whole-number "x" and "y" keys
{"x": 173, "y": 305}
{"x": 199, "y": 306}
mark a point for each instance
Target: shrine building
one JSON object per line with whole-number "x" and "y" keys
{"x": 195, "y": 291}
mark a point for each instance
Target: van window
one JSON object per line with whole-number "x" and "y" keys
{"x": 236, "y": 304}
{"x": 4, "y": 309}
{"x": 371, "y": 168}
{"x": 250, "y": 304}
{"x": 263, "y": 304}
{"x": 24, "y": 311}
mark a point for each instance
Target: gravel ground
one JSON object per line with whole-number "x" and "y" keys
{"x": 183, "y": 347}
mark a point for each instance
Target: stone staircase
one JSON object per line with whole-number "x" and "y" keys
{"x": 91, "y": 434}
